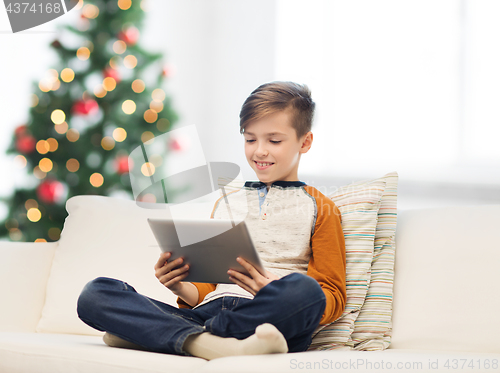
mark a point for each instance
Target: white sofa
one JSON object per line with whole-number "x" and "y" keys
{"x": 445, "y": 310}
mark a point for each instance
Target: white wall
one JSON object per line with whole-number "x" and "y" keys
{"x": 220, "y": 50}
{"x": 24, "y": 59}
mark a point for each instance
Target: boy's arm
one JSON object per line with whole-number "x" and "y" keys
{"x": 203, "y": 290}
{"x": 328, "y": 263}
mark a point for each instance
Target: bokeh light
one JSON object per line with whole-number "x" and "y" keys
{"x": 53, "y": 144}
{"x": 150, "y": 116}
{"x": 128, "y": 107}
{"x": 147, "y": 136}
{"x": 15, "y": 234}
{"x": 90, "y": 11}
{"x": 39, "y": 174}
{"x": 149, "y": 198}
{"x": 34, "y": 215}
{"x": 56, "y": 85}
{"x": 156, "y": 159}
{"x": 45, "y": 165}
{"x": 114, "y": 62}
{"x": 83, "y": 53}
{"x": 67, "y": 75}
{"x": 44, "y": 85}
{"x": 124, "y": 4}
{"x": 148, "y": 169}
{"x": 61, "y": 128}
{"x": 100, "y": 91}
{"x": 30, "y": 203}
{"x": 163, "y": 124}
{"x": 34, "y": 100}
{"x": 42, "y": 147}
{"x": 109, "y": 83}
{"x": 72, "y": 135}
{"x": 138, "y": 86}
{"x": 72, "y": 165}
{"x": 119, "y": 47}
{"x": 20, "y": 161}
{"x": 58, "y": 116}
{"x": 156, "y": 106}
{"x": 119, "y": 134}
{"x": 96, "y": 179}
{"x": 107, "y": 143}
{"x": 54, "y": 233}
{"x": 158, "y": 94}
{"x": 130, "y": 61}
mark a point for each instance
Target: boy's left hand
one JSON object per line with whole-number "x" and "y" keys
{"x": 255, "y": 281}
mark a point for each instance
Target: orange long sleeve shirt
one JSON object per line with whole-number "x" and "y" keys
{"x": 307, "y": 232}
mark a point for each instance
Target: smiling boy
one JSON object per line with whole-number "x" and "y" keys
{"x": 296, "y": 230}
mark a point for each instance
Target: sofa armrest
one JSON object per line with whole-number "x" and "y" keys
{"x": 24, "y": 271}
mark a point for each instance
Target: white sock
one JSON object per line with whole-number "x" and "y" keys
{"x": 114, "y": 341}
{"x": 266, "y": 340}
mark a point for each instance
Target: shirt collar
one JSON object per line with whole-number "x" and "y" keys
{"x": 280, "y": 183}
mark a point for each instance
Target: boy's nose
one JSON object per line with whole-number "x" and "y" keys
{"x": 261, "y": 150}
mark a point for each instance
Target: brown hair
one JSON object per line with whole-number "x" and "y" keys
{"x": 272, "y": 97}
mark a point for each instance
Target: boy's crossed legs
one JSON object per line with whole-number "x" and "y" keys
{"x": 294, "y": 305}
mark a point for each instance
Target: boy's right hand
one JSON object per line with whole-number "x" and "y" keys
{"x": 170, "y": 274}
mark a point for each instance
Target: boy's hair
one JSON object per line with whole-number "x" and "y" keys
{"x": 272, "y": 97}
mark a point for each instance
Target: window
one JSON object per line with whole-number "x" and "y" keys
{"x": 410, "y": 86}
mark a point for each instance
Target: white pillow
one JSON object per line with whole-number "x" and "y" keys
{"x": 109, "y": 237}
{"x": 446, "y": 290}
{"x": 24, "y": 271}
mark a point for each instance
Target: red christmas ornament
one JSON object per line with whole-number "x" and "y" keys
{"x": 85, "y": 107}
{"x": 122, "y": 165}
{"x": 21, "y": 130}
{"x": 50, "y": 191}
{"x": 112, "y": 73}
{"x": 178, "y": 143}
{"x": 130, "y": 35}
{"x": 25, "y": 144}
{"x": 168, "y": 71}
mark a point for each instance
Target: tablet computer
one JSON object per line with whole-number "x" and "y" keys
{"x": 209, "y": 259}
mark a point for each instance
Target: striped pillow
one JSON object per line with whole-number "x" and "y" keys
{"x": 373, "y": 327}
{"x": 368, "y": 211}
{"x": 359, "y": 204}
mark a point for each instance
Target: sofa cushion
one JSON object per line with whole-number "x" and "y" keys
{"x": 109, "y": 237}
{"x": 447, "y": 292}
{"x": 373, "y": 326}
{"x": 24, "y": 271}
{"x": 359, "y": 204}
{"x": 58, "y": 353}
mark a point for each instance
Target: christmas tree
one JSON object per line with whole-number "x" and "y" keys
{"x": 102, "y": 100}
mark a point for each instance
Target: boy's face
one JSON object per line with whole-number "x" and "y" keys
{"x": 272, "y": 148}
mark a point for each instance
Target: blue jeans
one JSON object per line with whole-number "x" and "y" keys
{"x": 294, "y": 304}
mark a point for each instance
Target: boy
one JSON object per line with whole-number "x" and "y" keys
{"x": 296, "y": 230}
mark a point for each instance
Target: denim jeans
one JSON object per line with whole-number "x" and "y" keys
{"x": 294, "y": 304}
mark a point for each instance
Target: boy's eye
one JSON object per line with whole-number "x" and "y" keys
{"x": 272, "y": 141}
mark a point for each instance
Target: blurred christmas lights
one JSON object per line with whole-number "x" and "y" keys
{"x": 128, "y": 107}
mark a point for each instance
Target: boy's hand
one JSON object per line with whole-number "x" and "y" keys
{"x": 253, "y": 283}
{"x": 170, "y": 274}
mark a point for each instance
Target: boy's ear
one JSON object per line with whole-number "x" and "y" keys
{"x": 306, "y": 140}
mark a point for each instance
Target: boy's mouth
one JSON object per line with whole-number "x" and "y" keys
{"x": 263, "y": 165}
